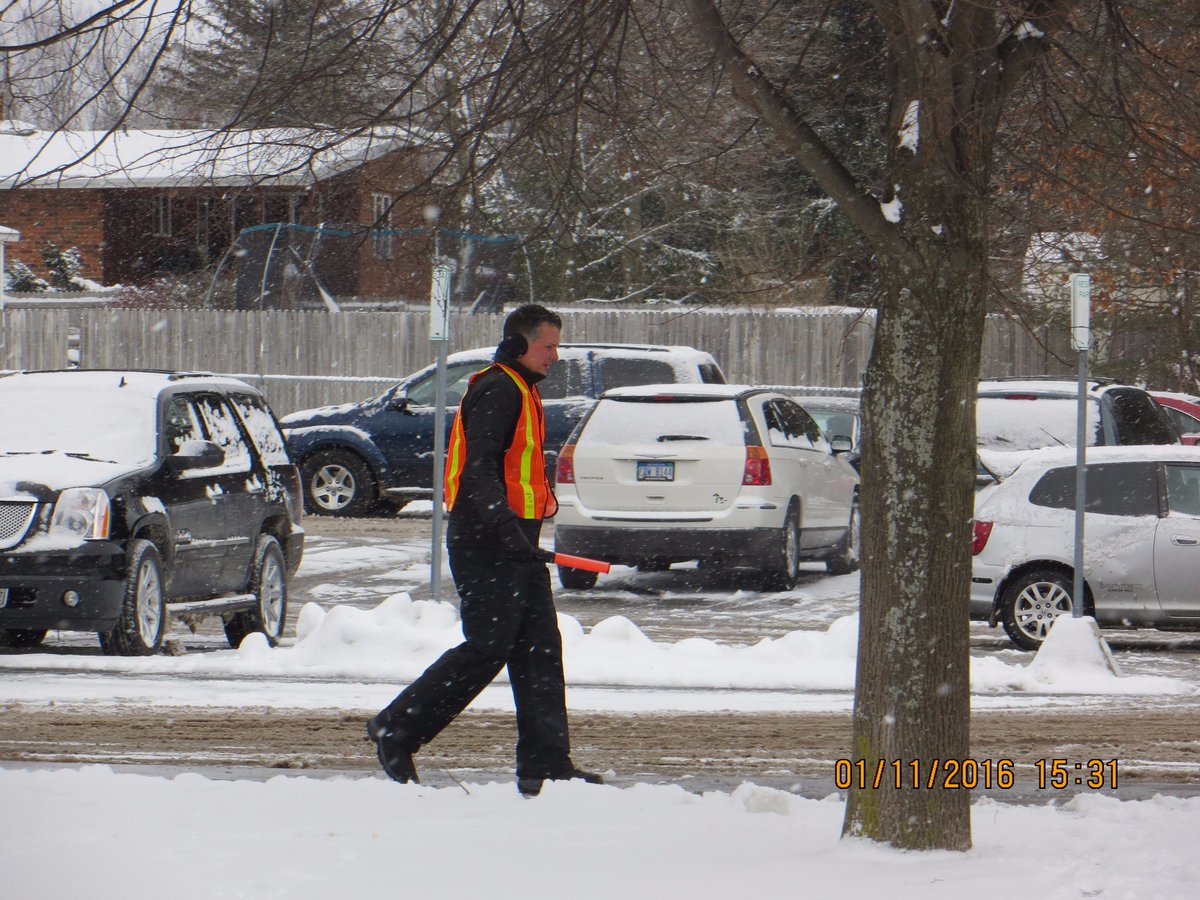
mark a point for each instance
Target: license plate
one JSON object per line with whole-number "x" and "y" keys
{"x": 3, "y": 597}
{"x": 655, "y": 471}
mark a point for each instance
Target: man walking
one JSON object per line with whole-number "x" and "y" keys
{"x": 497, "y": 493}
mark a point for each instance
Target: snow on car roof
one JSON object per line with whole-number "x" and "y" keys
{"x": 59, "y": 427}
{"x": 1003, "y": 463}
{"x": 1054, "y": 386}
{"x": 721, "y": 391}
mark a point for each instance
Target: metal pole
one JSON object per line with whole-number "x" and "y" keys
{"x": 1080, "y": 485}
{"x": 439, "y": 333}
{"x": 439, "y": 468}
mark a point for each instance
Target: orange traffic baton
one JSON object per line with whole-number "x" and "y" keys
{"x": 581, "y": 562}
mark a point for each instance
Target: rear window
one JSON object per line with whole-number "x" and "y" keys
{"x": 629, "y": 371}
{"x": 673, "y": 422}
{"x": 1138, "y": 419}
{"x": 1027, "y": 422}
{"x": 1112, "y": 489}
{"x": 565, "y": 380}
{"x": 1181, "y": 420}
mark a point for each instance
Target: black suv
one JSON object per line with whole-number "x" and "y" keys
{"x": 358, "y": 456}
{"x": 126, "y": 496}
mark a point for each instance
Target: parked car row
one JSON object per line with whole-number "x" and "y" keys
{"x": 129, "y": 496}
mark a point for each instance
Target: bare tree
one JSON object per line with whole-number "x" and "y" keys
{"x": 511, "y": 90}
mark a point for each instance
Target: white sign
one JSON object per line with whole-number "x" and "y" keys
{"x": 1081, "y": 312}
{"x": 439, "y": 304}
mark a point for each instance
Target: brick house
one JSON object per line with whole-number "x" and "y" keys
{"x": 142, "y": 204}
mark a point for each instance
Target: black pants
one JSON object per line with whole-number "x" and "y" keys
{"x": 508, "y": 618}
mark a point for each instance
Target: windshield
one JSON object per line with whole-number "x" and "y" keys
{"x": 89, "y": 416}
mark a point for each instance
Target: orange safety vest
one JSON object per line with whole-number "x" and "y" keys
{"x": 525, "y": 482}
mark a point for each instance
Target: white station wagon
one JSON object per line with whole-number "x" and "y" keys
{"x": 726, "y": 474}
{"x": 1141, "y": 540}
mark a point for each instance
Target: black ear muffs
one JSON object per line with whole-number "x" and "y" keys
{"x": 514, "y": 345}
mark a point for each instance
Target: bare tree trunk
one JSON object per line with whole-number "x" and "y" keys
{"x": 912, "y": 700}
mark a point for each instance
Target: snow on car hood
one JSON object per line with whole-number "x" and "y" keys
{"x": 21, "y": 474}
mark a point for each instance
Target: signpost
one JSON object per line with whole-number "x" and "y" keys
{"x": 1081, "y": 340}
{"x": 439, "y": 333}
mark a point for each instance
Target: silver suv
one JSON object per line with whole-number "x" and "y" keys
{"x": 1025, "y": 414}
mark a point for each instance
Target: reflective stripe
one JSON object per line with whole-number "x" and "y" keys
{"x": 526, "y": 488}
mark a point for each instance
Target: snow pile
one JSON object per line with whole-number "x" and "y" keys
{"x": 394, "y": 642}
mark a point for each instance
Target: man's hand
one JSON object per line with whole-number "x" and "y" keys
{"x": 517, "y": 547}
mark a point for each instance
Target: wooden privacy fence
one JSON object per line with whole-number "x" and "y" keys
{"x": 303, "y": 359}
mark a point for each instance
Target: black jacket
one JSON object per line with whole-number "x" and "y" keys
{"x": 489, "y": 412}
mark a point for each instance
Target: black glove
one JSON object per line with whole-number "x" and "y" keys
{"x": 517, "y": 547}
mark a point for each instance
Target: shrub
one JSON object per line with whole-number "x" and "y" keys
{"x": 63, "y": 266}
{"x": 19, "y": 278}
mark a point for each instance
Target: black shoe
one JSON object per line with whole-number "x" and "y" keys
{"x": 531, "y": 787}
{"x": 396, "y": 761}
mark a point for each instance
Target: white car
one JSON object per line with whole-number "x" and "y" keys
{"x": 726, "y": 474}
{"x": 1141, "y": 540}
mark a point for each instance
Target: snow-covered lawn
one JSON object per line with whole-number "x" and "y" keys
{"x": 91, "y": 833}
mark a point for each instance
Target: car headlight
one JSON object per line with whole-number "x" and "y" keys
{"x": 81, "y": 512}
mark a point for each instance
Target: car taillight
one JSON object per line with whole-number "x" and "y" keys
{"x": 564, "y": 473}
{"x": 758, "y": 467}
{"x": 982, "y": 531}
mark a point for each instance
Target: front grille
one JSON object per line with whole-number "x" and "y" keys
{"x": 15, "y": 518}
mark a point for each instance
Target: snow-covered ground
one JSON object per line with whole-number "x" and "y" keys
{"x": 93, "y": 832}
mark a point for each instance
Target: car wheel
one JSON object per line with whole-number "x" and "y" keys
{"x": 22, "y": 638}
{"x": 782, "y": 568}
{"x": 576, "y": 579}
{"x": 846, "y": 560}
{"x": 268, "y": 583}
{"x": 338, "y": 483}
{"x": 143, "y": 619}
{"x": 1032, "y": 603}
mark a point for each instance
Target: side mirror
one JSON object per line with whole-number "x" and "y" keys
{"x": 399, "y": 401}
{"x": 839, "y": 443}
{"x": 197, "y": 455}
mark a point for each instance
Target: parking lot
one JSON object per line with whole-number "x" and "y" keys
{"x": 122, "y": 712}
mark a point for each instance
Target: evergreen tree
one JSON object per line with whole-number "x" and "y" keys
{"x": 281, "y": 63}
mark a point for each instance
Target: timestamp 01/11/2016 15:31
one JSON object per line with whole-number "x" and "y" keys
{"x": 970, "y": 774}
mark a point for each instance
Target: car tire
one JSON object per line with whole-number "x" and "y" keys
{"x": 143, "y": 620}
{"x": 268, "y": 583}
{"x": 847, "y": 558}
{"x": 22, "y": 638}
{"x": 576, "y": 579}
{"x": 1032, "y": 603}
{"x": 338, "y": 483}
{"x": 781, "y": 570}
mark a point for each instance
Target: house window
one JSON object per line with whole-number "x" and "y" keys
{"x": 381, "y": 225}
{"x": 162, "y": 215}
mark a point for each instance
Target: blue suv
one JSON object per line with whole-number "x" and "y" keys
{"x": 358, "y": 457}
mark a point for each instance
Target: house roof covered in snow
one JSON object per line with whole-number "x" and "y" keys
{"x": 160, "y": 158}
